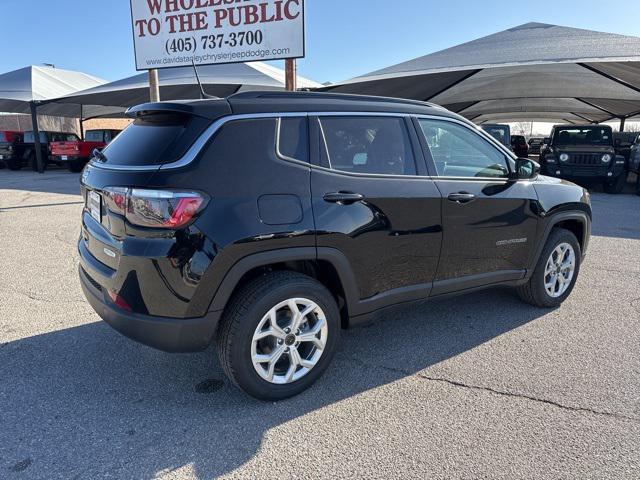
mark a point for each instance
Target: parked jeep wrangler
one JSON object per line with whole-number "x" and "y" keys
{"x": 76, "y": 153}
{"x": 266, "y": 222}
{"x": 584, "y": 152}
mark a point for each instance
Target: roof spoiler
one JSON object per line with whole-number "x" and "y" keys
{"x": 145, "y": 109}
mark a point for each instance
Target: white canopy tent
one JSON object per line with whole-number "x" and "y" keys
{"x": 26, "y": 90}
{"x": 181, "y": 84}
{"x": 531, "y": 72}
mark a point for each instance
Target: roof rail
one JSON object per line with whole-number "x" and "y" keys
{"x": 332, "y": 96}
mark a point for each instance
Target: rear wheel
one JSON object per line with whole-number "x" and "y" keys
{"x": 278, "y": 335}
{"x": 556, "y": 272}
{"x": 616, "y": 185}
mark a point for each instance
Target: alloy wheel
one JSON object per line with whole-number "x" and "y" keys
{"x": 289, "y": 341}
{"x": 560, "y": 270}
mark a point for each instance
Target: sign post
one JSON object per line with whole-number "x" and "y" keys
{"x": 291, "y": 74}
{"x": 154, "y": 86}
{"x": 179, "y": 33}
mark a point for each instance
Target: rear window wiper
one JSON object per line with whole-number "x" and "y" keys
{"x": 99, "y": 155}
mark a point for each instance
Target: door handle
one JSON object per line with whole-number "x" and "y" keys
{"x": 343, "y": 198}
{"x": 462, "y": 197}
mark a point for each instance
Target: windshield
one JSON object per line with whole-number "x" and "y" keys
{"x": 583, "y": 136}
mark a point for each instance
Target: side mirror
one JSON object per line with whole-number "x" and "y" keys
{"x": 526, "y": 169}
{"x": 547, "y": 140}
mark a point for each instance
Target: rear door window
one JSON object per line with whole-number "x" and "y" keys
{"x": 155, "y": 139}
{"x": 293, "y": 138}
{"x": 369, "y": 145}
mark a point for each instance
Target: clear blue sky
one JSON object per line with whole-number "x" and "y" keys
{"x": 345, "y": 38}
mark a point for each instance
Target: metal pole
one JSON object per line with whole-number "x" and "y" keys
{"x": 622, "y": 122}
{"x": 36, "y": 136}
{"x": 81, "y": 125}
{"x": 154, "y": 86}
{"x": 291, "y": 74}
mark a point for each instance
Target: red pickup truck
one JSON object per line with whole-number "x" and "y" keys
{"x": 76, "y": 154}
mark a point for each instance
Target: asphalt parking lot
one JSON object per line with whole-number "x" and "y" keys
{"x": 475, "y": 386}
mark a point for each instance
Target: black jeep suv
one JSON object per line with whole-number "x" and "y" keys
{"x": 266, "y": 222}
{"x": 585, "y": 152}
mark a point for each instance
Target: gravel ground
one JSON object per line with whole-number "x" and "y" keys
{"x": 475, "y": 386}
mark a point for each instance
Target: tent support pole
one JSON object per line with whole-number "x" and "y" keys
{"x": 154, "y": 86}
{"x": 622, "y": 122}
{"x": 36, "y": 136}
{"x": 81, "y": 124}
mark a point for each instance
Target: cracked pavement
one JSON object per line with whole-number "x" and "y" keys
{"x": 466, "y": 387}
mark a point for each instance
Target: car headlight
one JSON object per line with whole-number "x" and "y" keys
{"x": 606, "y": 158}
{"x": 564, "y": 157}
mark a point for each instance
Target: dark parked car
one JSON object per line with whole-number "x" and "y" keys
{"x": 634, "y": 161}
{"x": 535, "y": 144}
{"x": 8, "y": 139}
{"x": 24, "y": 151}
{"x": 519, "y": 146}
{"x": 266, "y": 222}
{"x": 502, "y": 133}
{"x": 584, "y": 152}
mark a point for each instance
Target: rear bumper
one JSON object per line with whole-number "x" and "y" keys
{"x": 68, "y": 158}
{"x": 167, "y": 334}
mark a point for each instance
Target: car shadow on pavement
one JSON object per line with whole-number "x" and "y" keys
{"x": 57, "y": 181}
{"x": 87, "y": 402}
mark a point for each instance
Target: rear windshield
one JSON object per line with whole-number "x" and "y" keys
{"x": 155, "y": 139}
{"x": 582, "y": 136}
{"x": 535, "y": 141}
{"x": 94, "y": 136}
{"x": 64, "y": 137}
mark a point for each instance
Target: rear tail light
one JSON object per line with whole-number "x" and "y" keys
{"x": 155, "y": 208}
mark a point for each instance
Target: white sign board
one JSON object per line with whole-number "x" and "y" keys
{"x": 176, "y": 33}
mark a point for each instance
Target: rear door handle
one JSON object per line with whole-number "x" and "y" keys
{"x": 462, "y": 197}
{"x": 343, "y": 198}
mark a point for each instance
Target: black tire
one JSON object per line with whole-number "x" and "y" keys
{"x": 76, "y": 166}
{"x": 616, "y": 185}
{"x": 14, "y": 164}
{"x": 534, "y": 292}
{"x": 243, "y": 315}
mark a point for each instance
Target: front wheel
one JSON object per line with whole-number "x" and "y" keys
{"x": 616, "y": 185}
{"x": 556, "y": 272}
{"x": 278, "y": 335}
